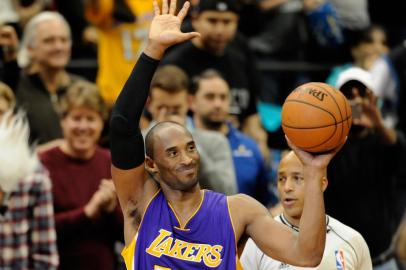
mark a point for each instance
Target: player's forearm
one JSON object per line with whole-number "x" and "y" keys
{"x": 127, "y": 145}
{"x": 313, "y": 220}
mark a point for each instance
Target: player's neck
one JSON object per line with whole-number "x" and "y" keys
{"x": 183, "y": 203}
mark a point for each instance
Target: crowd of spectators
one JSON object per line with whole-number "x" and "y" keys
{"x": 63, "y": 63}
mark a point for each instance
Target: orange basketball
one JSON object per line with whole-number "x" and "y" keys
{"x": 316, "y": 117}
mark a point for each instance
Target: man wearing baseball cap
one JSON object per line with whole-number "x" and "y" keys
{"x": 362, "y": 175}
{"x": 216, "y": 48}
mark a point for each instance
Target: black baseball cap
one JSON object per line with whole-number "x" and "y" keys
{"x": 218, "y": 5}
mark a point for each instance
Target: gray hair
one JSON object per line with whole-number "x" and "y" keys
{"x": 30, "y": 32}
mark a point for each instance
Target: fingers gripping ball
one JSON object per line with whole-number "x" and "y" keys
{"x": 316, "y": 117}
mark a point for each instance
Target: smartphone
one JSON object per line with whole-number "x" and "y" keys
{"x": 356, "y": 109}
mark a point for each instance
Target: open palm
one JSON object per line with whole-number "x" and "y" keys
{"x": 165, "y": 27}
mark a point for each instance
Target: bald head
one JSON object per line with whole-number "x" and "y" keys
{"x": 290, "y": 158}
{"x": 159, "y": 129}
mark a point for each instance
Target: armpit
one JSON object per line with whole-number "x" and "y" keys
{"x": 134, "y": 213}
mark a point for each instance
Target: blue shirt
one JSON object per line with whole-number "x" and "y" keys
{"x": 252, "y": 175}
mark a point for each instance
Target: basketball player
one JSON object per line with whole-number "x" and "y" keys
{"x": 170, "y": 223}
{"x": 345, "y": 247}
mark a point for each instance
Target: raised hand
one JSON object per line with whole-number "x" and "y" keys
{"x": 104, "y": 199}
{"x": 165, "y": 28}
{"x": 371, "y": 115}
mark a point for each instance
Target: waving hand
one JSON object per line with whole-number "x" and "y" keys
{"x": 165, "y": 28}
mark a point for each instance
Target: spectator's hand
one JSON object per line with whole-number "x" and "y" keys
{"x": 90, "y": 35}
{"x": 9, "y": 42}
{"x": 371, "y": 115}
{"x": 110, "y": 197}
{"x": 103, "y": 200}
{"x": 94, "y": 207}
{"x": 165, "y": 29}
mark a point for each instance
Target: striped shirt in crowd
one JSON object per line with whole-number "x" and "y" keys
{"x": 27, "y": 227}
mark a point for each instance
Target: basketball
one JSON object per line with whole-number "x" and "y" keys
{"x": 316, "y": 117}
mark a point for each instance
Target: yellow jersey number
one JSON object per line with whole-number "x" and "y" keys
{"x": 157, "y": 267}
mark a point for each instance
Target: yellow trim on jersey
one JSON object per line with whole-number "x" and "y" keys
{"x": 128, "y": 251}
{"x": 146, "y": 208}
{"x": 128, "y": 254}
{"x": 183, "y": 227}
{"x": 238, "y": 264}
{"x": 232, "y": 224}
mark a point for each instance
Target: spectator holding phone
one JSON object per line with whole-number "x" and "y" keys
{"x": 370, "y": 145}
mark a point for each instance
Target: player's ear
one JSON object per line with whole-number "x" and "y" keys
{"x": 150, "y": 165}
{"x": 324, "y": 183}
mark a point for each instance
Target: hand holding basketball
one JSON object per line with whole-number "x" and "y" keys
{"x": 316, "y": 117}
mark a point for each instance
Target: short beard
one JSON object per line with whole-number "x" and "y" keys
{"x": 212, "y": 125}
{"x": 213, "y": 50}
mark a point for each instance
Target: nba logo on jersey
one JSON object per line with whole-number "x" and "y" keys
{"x": 340, "y": 264}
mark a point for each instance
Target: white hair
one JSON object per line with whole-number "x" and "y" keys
{"x": 30, "y": 32}
{"x": 17, "y": 158}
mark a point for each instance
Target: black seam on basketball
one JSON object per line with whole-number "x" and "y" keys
{"x": 329, "y": 125}
{"x": 310, "y": 104}
{"x": 338, "y": 107}
{"x": 346, "y": 112}
{"x": 311, "y": 147}
{"x": 323, "y": 142}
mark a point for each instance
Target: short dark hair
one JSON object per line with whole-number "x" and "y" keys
{"x": 206, "y": 74}
{"x": 170, "y": 78}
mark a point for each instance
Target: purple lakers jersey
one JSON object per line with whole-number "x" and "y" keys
{"x": 206, "y": 241}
